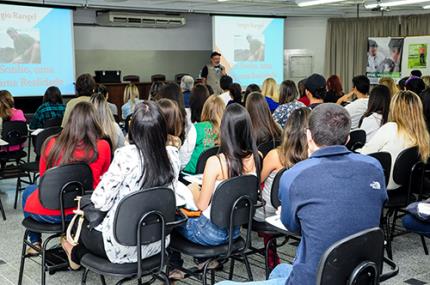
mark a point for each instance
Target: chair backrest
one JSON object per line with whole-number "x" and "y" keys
{"x": 356, "y": 259}
{"x": 42, "y": 137}
{"x": 131, "y": 78}
{"x": 403, "y": 165}
{"x": 135, "y": 206}
{"x": 158, "y": 77}
{"x": 274, "y": 192}
{"x": 14, "y": 132}
{"x": 179, "y": 76}
{"x": 266, "y": 147}
{"x": 127, "y": 123}
{"x": 61, "y": 184}
{"x": 357, "y": 139}
{"x": 53, "y": 122}
{"x": 384, "y": 159}
{"x": 227, "y": 194}
{"x": 204, "y": 156}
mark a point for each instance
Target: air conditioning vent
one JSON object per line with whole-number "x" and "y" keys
{"x": 122, "y": 19}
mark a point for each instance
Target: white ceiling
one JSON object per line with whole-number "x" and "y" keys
{"x": 248, "y": 7}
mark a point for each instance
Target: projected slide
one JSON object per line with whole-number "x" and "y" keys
{"x": 251, "y": 48}
{"x": 36, "y": 50}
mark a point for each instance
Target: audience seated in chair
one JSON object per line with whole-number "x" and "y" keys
{"x": 356, "y": 108}
{"x": 199, "y": 95}
{"x": 406, "y": 128}
{"x": 348, "y": 187}
{"x": 51, "y": 108}
{"x": 85, "y": 87}
{"x": 315, "y": 90}
{"x": 238, "y": 156}
{"x": 187, "y": 83}
{"x": 80, "y": 140}
{"x": 334, "y": 89}
{"x": 293, "y": 149}
{"x": 104, "y": 91}
{"x": 377, "y": 111}
{"x": 131, "y": 98}
{"x": 207, "y": 130}
{"x": 270, "y": 91}
{"x": 9, "y": 113}
{"x": 144, "y": 163}
{"x": 288, "y": 102}
{"x": 107, "y": 122}
{"x": 264, "y": 128}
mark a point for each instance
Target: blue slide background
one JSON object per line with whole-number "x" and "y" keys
{"x": 57, "y": 53}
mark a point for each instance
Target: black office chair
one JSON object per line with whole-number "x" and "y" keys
{"x": 178, "y": 77}
{"x": 408, "y": 176}
{"x": 233, "y": 204}
{"x": 356, "y": 259}
{"x": 266, "y": 147}
{"x": 142, "y": 217}
{"x": 131, "y": 78}
{"x": 384, "y": 159}
{"x": 357, "y": 139}
{"x": 58, "y": 188}
{"x": 15, "y": 133}
{"x": 33, "y": 167}
{"x": 158, "y": 77}
{"x": 204, "y": 156}
{"x": 53, "y": 122}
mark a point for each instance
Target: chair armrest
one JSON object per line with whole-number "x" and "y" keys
{"x": 182, "y": 220}
{"x": 393, "y": 272}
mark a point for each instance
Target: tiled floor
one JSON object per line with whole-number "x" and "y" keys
{"x": 408, "y": 253}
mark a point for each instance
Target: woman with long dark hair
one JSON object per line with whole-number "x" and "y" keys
{"x": 80, "y": 140}
{"x": 199, "y": 95}
{"x": 288, "y": 102}
{"x": 145, "y": 163}
{"x": 377, "y": 111}
{"x": 51, "y": 108}
{"x": 235, "y": 94}
{"x": 264, "y": 127}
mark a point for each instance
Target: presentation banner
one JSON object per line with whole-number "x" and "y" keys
{"x": 416, "y": 55}
{"x": 252, "y": 48}
{"x": 36, "y": 49}
{"x": 384, "y": 58}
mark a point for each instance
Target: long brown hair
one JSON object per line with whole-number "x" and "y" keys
{"x": 105, "y": 118}
{"x": 172, "y": 115}
{"x": 294, "y": 146}
{"x": 406, "y": 111}
{"x": 81, "y": 132}
{"x": 6, "y": 104}
{"x": 263, "y": 125}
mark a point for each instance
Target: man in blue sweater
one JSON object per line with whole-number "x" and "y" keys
{"x": 333, "y": 194}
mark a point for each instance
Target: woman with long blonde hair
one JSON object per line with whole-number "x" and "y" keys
{"x": 270, "y": 91}
{"x": 389, "y": 82}
{"x": 406, "y": 128}
{"x": 131, "y": 98}
{"x": 208, "y": 130}
{"x": 107, "y": 121}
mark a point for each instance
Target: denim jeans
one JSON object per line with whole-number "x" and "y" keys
{"x": 278, "y": 276}
{"x": 202, "y": 231}
{"x": 32, "y": 236}
{"x": 414, "y": 225}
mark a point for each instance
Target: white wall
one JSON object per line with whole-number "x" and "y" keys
{"x": 195, "y": 35}
{"x": 307, "y": 33}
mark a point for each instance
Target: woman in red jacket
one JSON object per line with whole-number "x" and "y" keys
{"x": 80, "y": 140}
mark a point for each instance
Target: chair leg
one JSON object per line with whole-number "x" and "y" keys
{"x": 205, "y": 271}
{"x": 212, "y": 276}
{"x": 84, "y": 277}
{"x": 2, "y": 211}
{"x": 165, "y": 278}
{"x": 248, "y": 267}
{"x": 393, "y": 226}
{"x": 266, "y": 256}
{"x": 18, "y": 187}
{"x": 423, "y": 241}
{"x": 21, "y": 267}
{"x": 102, "y": 278}
{"x": 230, "y": 274}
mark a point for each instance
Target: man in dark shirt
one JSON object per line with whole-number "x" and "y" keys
{"x": 333, "y": 194}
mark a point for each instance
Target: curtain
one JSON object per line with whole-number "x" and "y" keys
{"x": 415, "y": 25}
{"x": 346, "y": 44}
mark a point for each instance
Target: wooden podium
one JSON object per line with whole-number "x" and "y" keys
{"x": 116, "y": 92}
